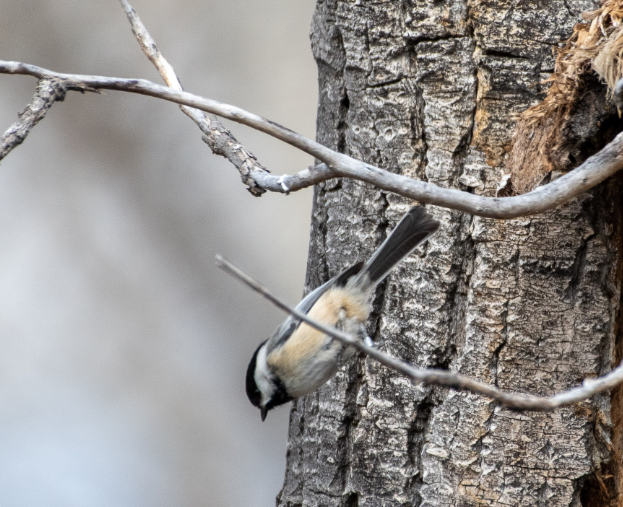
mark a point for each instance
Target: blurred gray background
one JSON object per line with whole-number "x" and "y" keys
{"x": 123, "y": 348}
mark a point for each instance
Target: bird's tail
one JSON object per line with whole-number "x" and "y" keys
{"x": 415, "y": 227}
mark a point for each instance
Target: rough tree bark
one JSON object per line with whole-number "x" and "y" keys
{"x": 429, "y": 89}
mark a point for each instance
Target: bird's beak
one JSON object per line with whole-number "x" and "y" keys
{"x": 264, "y": 412}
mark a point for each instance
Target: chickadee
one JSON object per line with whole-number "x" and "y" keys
{"x": 297, "y": 359}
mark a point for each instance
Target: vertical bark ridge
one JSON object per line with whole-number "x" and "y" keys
{"x": 602, "y": 487}
{"x": 616, "y": 467}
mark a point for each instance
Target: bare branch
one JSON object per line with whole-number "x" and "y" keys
{"x": 49, "y": 90}
{"x": 589, "y": 388}
{"x": 592, "y": 172}
{"x": 218, "y": 138}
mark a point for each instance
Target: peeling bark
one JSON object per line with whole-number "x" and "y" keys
{"x": 577, "y": 115}
{"x": 428, "y": 90}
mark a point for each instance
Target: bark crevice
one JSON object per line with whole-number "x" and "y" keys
{"x": 525, "y": 304}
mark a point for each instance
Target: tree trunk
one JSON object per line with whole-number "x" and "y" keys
{"x": 429, "y": 90}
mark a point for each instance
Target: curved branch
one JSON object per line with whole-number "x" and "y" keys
{"x": 589, "y": 388}
{"x": 220, "y": 140}
{"x": 592, "y": 172}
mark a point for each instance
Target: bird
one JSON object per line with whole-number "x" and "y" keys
{"x": 297, "y": 359}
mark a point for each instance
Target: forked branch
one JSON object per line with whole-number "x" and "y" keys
{"x": 592, "y": 172}
{"x": 218, "y": 138}
{"x": 53, "y": 86}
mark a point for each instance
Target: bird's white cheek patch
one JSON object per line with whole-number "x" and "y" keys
{"x": 262, "y": 376}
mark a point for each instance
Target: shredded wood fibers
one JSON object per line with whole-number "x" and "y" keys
{"x": 596, "y": 46}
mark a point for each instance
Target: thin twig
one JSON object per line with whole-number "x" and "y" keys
{"x": 49, "y": 90}
{"x": 218, "y": 138}
{"x": 589, "y": 388}
{"x": 592, "y": 172}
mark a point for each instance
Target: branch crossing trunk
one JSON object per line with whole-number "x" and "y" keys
{"x": 530, "y": 304}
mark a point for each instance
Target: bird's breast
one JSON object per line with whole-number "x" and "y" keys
{"x": 309, "y": 357}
